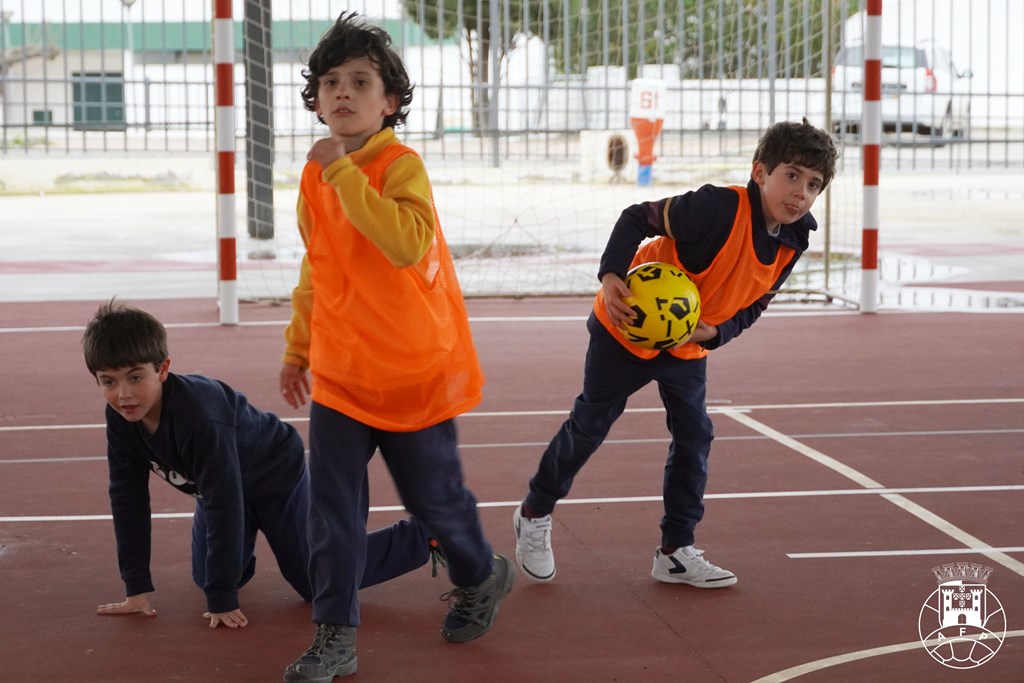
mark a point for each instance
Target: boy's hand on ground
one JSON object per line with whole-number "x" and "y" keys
{"x": 294, "y": 383}
{"x": 326, "y": 150}
{"x": 131, "y": 605}
{"x": 616, "y": 300}
{"x": 232, "y": 619}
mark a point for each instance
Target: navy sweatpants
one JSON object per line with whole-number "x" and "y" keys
{"x": 427, "y": 474}
{"x": 390, "y": 552}
{"x": 612, "y": 374}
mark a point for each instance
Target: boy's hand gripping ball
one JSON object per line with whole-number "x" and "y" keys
{"x": 667, "y": 306}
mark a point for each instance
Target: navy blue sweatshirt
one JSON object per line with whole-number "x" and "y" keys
{"x": 212, "y": 444}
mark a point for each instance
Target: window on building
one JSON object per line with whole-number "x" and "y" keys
{"x": 98, "y": 101}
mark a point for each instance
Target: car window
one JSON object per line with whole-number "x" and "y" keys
{"x": 893, "y": 57}
{"x": 896, "y": 57}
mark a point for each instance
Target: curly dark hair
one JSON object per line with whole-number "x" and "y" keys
{"x": 789, "y": 142}
{"x": 120, "y": 336}
{"x": 352, "y": 37}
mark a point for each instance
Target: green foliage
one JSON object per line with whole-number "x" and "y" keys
{"x": 703, "y": 38}
{"x": 471, "y": 21}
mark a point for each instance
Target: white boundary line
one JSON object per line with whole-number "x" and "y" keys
{"x": 624, "y": 500}
{"x": 729, "y": 410}
{"x": 828, "y": 662}
{"x": 900, "y": 553}
{"x": 896, "y": 499}
{"x": 770, "y": 313}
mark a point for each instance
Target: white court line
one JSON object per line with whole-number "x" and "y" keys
{"x": 773, "y": 406}
{"x": 620, "y": 442}
{"x": 770, "y": 313}
{"x": 622, "y": 500}
{"x": 283, "y": 323}
{"x": 631, "y": 442}
{"x": 711, "y": 409}
{"x": 828, "y": 662}
{"x": 898, "y": 553}
{"x": 899, "y": 500}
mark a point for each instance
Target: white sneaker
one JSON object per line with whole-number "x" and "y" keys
{"x": 533, "y": 546}
{"x": 686, "y": 565}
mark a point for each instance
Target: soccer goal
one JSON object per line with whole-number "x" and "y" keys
{"x": 522, "y": 112}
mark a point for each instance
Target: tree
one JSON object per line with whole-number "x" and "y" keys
{"x": 471, "y": 22}
{"x": 22, "y": 54}
{"x": 703, "y": 38}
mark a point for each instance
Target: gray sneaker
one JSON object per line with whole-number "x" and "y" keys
{"x": 476, "y": 608}
{"x": 333, "y": 653}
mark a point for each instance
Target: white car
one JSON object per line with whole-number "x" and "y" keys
{"x": 922, "y": 91}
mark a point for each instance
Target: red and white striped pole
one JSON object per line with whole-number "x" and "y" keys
{"x": 871, "y": 142}
{"x": 224, "y": 126}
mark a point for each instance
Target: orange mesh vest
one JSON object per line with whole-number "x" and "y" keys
{"x": 390, "y": 347}
{"x": 734, "y": 280}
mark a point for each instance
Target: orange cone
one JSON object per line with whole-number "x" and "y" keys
{"x": 647, "y": 131}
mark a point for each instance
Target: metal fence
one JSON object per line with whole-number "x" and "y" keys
{"x": 137, "y": 75}
{"x": 531, "y": 89}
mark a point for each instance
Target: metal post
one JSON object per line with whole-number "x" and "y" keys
{"x": 128, "y": 60}
{"x": 492, "y": 114}
{"x": 5, "y": 20}
{"x": 259, "y": 126}
{"x": 772, "y": 60}
{"x": 871, "y": 146}
{"x": 224, "y": 124}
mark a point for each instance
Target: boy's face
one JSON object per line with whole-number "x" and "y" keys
{"x": 135, "y": 392}
{"x": 788, "y": 192}
{"x": 352, "y": 102}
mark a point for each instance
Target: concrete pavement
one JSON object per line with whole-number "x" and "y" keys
{"x": 145, "y": 228}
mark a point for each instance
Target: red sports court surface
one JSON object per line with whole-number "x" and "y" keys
{"x": 855, "y": 453}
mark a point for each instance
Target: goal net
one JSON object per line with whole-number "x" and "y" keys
{"x": 522, "y": 112}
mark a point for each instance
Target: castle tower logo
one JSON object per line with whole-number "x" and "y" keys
{"x": 962, "y": 624}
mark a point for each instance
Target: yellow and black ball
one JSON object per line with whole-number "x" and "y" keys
{"x": 667, "y": 306}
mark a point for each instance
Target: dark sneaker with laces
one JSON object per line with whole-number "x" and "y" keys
{"x": 476, "y": 608}
{"x": 333, "y": 653}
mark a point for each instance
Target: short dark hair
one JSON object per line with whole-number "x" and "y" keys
{"x": 350, "y": 38}
{"x": 120, "y": 336}
{"x": 789, "y": 142}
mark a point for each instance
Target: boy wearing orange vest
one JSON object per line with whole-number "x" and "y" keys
{"x": 379, "y": 320}
{"x": 738, "y": 245}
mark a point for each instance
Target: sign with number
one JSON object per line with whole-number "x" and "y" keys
{"x": 647, "y": 99}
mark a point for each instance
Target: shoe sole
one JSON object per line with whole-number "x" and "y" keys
{"x": 711, "y": 583}
{"x": 343, "y": 669}
{"x": 506, "y": 588}
{"x": 537, "y": 578}
{"x": 519, "y": 560}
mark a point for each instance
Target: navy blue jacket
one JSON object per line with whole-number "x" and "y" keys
{"x": 212, "y": 444}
